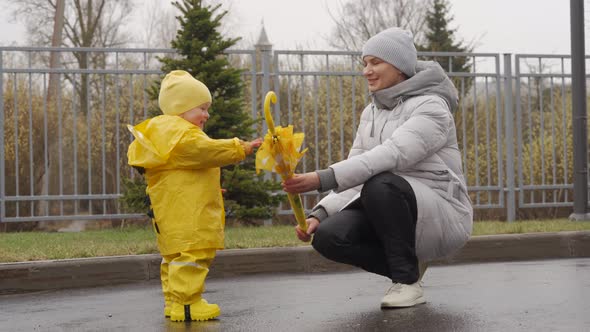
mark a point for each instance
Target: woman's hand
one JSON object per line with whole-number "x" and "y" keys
{"x": 312, "y": 225}
{"x": 301, "y": 183}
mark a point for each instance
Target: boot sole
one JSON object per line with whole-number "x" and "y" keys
{"x": 200, "y": 318}
{"x": 412, "y": 303}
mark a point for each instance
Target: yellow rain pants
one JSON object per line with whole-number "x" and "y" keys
{"x": 183, "y": 275}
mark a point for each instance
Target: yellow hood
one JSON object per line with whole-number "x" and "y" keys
{"x": 154, "y": 140}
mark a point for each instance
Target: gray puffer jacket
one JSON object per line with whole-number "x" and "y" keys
{"x": 409, "y": 130}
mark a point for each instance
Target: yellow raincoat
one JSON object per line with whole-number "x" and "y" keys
{"x": 183, "y": 181}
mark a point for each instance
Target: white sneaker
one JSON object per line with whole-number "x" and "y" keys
{"x": 402, "y": 295}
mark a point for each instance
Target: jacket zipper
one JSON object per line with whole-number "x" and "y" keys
{"x": 399, "y": 102}
{"x": 373, "y": 123}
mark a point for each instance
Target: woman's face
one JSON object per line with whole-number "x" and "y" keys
{"x": 380, "y": 74}
{"x": 198, "y": 115}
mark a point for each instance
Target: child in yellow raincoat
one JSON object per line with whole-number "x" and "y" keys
{"x": 182, "y": 170}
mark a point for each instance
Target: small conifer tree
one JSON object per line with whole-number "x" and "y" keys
{"x": 200, "y": 51}
{"x": 439, "y": 37}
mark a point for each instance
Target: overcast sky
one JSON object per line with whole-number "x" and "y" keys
{"x": 498, "y": 26}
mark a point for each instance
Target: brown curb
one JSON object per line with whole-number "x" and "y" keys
{"x": 89, "y": 272}
{"x": 515, "y": 247}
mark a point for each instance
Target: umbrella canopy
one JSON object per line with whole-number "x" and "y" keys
{"x": 279, "y": 153}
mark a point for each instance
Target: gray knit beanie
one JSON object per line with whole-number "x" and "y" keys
{"x": 395, "y": 46}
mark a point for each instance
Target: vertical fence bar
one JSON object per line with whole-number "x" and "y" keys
{"x": 289, "y": 101}
{"x": 553, "y": 136}
{"x": 145, "y": 109}
{"x": 518, "y": 100}
{"x": 253, "y": 82}
{"x": 45, "y": 183}
{"x": 302, "y": 103}
{"x": 341, "y": 102}
{"x": 277, "y": 107}
{"x": 131, "y": 100}
{"x": 88, "y": 143}
{"x": 265, "y": 53}
{"x": 530, "y": 141}
{"x": 264, "y": 61}
{"x": 2, "y": 156}
{"x": 353, "y": 98}
{"x": 277, "y": 88}
{"x": 131, "y": 115}
{"x": 75, "y": 149}
{"x": 499, "y": 107}
{"x": 508, "y": 127}
{"x": 117, "y": 140}
{"x": 117, "y": 128}
{"x": 60, "y": 143}
{"x": 564, "y": 128}
{"x": 16, "y": 150}
{"x": 542, "y": 128}
{"x": 488, "y": 152}
{"x": 315, "y": 121}
{"x": 475, "y": 136}
{"x": 328, "y": 111}
{"x": 464, "y": 124}
{"x": 31, "y": 176}
{"x": 103, "y": 145}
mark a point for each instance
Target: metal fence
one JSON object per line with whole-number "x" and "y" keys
{"x": 63, "y": 145}
{"x": 543, "y": 122}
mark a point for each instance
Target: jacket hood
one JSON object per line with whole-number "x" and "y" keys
{"x": 430, "y": 79}
{"x": 154, "y": 140}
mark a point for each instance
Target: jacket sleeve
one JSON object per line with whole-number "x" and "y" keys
{"x": 356, "y": 148}
{"x": 424, "y": 133}
{"x": 197, "y": 150}
{"x": 327, "y": 177}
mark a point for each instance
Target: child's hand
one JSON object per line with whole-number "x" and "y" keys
{"x": 257, "y": 142}
{"x": 249, "y": 146}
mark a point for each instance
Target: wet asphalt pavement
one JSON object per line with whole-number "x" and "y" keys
{"x": 550, "y": 295}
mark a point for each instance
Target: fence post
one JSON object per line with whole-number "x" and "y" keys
{"x": 579, "y": 117}
{"x": 508, "y": 127}
{"x": 253, "y": 91}
{"x": 2, "y": 174}
{"x": 265, "y": 48}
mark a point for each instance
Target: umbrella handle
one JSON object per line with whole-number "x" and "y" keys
{"x": 270, "y": 97}
{"x": 295, "y": 201}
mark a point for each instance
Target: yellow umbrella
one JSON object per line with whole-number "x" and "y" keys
{"x": 279, "y": 153}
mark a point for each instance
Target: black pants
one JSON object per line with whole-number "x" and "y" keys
{"x": 377, "y": 232}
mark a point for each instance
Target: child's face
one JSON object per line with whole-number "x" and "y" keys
{"x": 198, "y": 115}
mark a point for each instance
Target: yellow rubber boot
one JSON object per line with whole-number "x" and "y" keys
{"x": 199, "y": 311}
{"x": 165, "y": 288}
{"x": 167, "y": 309}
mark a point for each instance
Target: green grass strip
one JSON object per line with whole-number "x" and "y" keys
{"x": 32, "y": 246}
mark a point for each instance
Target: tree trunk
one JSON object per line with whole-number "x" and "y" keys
{"x": 43, "y": 172}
